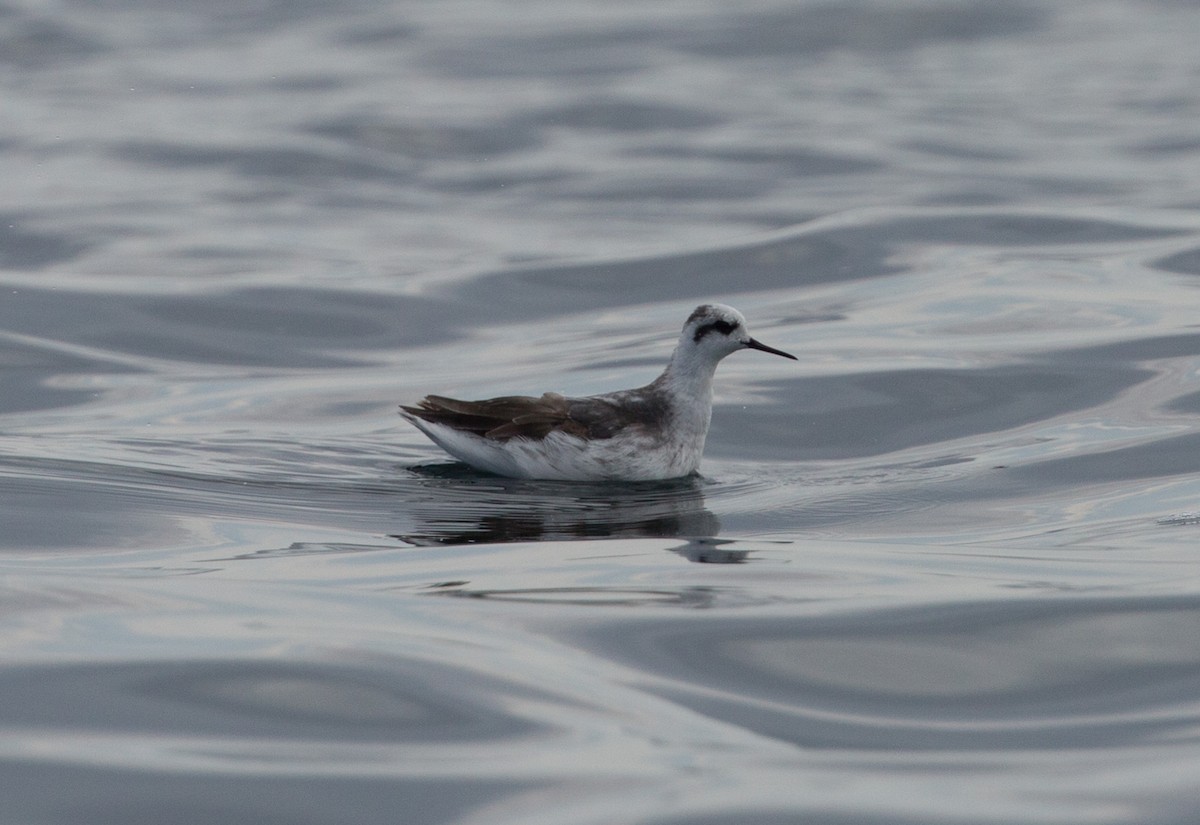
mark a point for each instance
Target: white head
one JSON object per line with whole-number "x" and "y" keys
{"x": 713, "y": 331}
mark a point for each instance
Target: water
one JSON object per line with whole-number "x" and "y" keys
{"x": 941, "y": 570}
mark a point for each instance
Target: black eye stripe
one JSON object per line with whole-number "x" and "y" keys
{"x": 723, "y": 327}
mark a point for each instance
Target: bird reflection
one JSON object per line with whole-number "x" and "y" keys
{"x": 461, "y": 506}
{"x": 710, "y": 551}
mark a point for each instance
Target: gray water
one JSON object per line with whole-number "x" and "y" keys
{"x": 943, "y": 569}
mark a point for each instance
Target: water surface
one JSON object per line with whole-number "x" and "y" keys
{"x": 942, "y": 569}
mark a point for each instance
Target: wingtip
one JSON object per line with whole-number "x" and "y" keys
{"x": 428, "y": 404}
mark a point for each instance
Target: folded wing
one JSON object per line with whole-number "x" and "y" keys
{"x": 512, "y": 416}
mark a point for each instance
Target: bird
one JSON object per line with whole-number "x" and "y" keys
{"x": 650, "y": 433}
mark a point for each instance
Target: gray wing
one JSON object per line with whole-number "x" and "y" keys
{"x": 606, "y": 415}
{"x": 512, "y": 416}
{"x": 523, "y": 416}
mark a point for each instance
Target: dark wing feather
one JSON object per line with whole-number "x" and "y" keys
{"x": 523, "y": 416}
{"x": 512, "y": 416}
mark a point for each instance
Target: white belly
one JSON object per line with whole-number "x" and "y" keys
{"x": 567, "y": 458}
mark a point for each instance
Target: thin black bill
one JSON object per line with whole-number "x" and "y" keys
{"x": 752, "y": 344}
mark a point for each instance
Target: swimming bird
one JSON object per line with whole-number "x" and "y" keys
{"x": 649, "y": 433}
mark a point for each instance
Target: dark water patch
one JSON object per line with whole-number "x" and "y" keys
{"x": 967, "y": 198}
{"x": 63, "y": 515}
{"x": 782, "y": 163}
{"x": 989, "y": 192}
{"x": 814, "y": 29}
{"x": 666, "y": 187}
{"x": 960, "y": 151}
{"x": 794, "y": 261}
{"x": 27, "y": 372}
{"x": 1186, "y": 262}
{"x": 805, "y": 31}
{"x": 585, "y": 52}
{"x": 850, "y": 416}
{"x": 287, "y": 313}
{"x": 222, "y": 18}
{"x": 805, "y": 257}
{"x": 226, "y": 259}
{"x": 268, "y": 326}
{"x": 1189, "y": 403}
{"x": 1161, "y": 458}
{"x": 1138, "y": 350}
{"x": 378, "y": 34}
{"x": 146, "y": 499}
{"x": 988, "y": 676}
{"x": 35, "y": 43}
{"x": 396, "y": 700}
{"x": 744, "y": 813}
{"x": 426, "y": 140}
{"x": 1007, "y": 229}
{"x": 1169, "y": 146}
{"x": 142, "y": 497}
{"x": 283, "y": 163}
{"x": 302, "y": 83}
{"x": 618, "y": 115}
{"x": 41, "y": 791}
{"x": 988, "y": 189}
{"x": 479, "y": 183}
{"x": 28, "y": 250}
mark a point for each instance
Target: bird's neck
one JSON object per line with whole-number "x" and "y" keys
{"x": 689, "y": 380}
